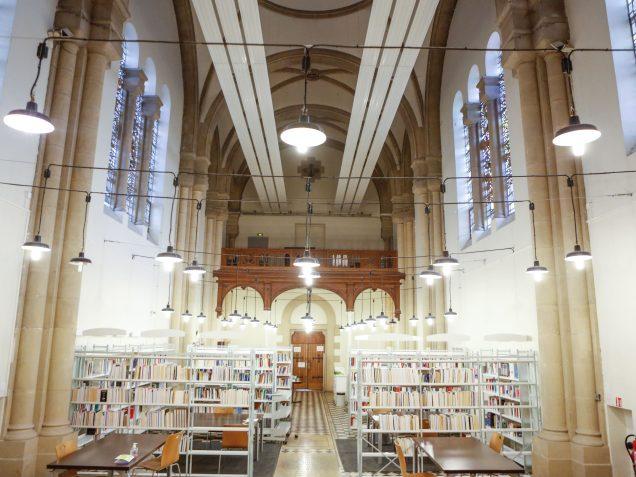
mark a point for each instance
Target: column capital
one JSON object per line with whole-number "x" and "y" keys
{"x": 134, "y": 81}
{"x": 470, "y": 112}
{"x": 489, "y": 88}
{"x": 107, "y": 23}
{"x": 151, "y": 107}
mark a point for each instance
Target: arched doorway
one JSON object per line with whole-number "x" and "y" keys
{"x": 309, "y": 365}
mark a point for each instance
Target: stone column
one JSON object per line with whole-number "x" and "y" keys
{"x": 587, "y": 432}
{"x": 219, "y": 230}
{"x": 182, "y": 226}
{"x": 420, "y": 232}
{"x": 471, "y": 121}
{"x": 19, "y": 447}
{"x": 56, "y": 425}
{"x": 209, "y": 306}
{"x": 399, "y": 232}
{"x": 386, "y": 231}
{"x": 551, "y": 453}
{"x": 490, "y": 94}
{"x": 134, "y": 82}
{"x": 151, "y": 110}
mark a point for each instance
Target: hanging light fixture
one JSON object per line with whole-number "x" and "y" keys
{"x": 446, "y": 263}
{"x": 576, "y": 134}
{"x": 36, "y": 247}
{"x": 414, "y": 320}
{"x": 245, "y": 319}
{"x": 309, "y": 276}
{"x": 382, "y": 318}
{"x": 577, "y": 256}
{"x": 201, "y": 318}
{"x": 255, "y": 321}
{"x": 81, "y": 260}
{"x": 537, "y": 271}
{"x": 29, "y": 120}
{"x": 168, "y": 310}
{"x": 430, "y": 275}
{"x": 307, "y": 263}
{"x": 194, "y": 270}
{"x": 169, "y": 258}
{"x": 304, "y": 133}
{"x": 430, "y": 319}
{"x": 186, "y": 315}
{"x": 450, "y": 315}
{"x": 308, "y": 320}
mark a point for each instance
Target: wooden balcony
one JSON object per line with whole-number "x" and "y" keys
{"x": 329, "y": 258}
{"x": 346, "y": 273}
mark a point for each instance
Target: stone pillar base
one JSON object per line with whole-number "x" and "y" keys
{"x": 551, "y": 458}
{"x": 46, "y": 450}
{"x": 18, "y": 458}
{"x": 591, "y": 461}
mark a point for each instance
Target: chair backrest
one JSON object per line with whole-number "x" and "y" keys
{"x": 65, "y": 448}
{"x": 170, "y": 451}
{"x": 402, "y": 459}
{"x": 496, "y": 442}
{"x": 223, "y": 410}
{"x": 234, "y": 439}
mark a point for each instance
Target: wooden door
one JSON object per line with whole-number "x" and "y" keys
{"x": 309, "y": 350}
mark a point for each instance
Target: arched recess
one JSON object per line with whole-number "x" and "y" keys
{"x": 432, "y": 144}
{"x": 189, "y": 74}
{"x": 472, "y": 91}
{"x": 492, "y": 56}
{"x": 233, "y": 298}
{"x": 373, "y": 301}
{"x": 132, "y": 48}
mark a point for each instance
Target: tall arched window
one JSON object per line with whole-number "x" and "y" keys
{"x": 631, "y": 15}
{"x": 462, "y": 168}
{"x": 494, "y": 113}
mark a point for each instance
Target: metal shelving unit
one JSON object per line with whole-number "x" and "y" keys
{"x": 424, "y": 367}
{"x": 135, "y": 388}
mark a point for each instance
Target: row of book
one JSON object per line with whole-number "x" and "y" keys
{"x": 504, "y": 370}
{"x": 504, "y": 390}
{"x": 460, "y": 421}
{"x": 451, "y": 375}
{"x": 431, "y": 398}
{"x": 390, "y": 375}
{"x": 161, "y": 371}
{"x": 398, "y": 422}
{"x": 101, "y": 394}
{"x": 283, "y": 356}
{"x": 164, "y": 418}
{"x": 238, "y": 397}
{"x": 101, "y": 418}
{"x": 221, "y": 374}
{"x": 160, "y": 396}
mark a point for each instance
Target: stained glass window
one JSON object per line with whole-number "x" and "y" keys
{"x": 485, "y": 166}
{"x": 504, "y": 131}
{"x": 114, "y": 156}
{"x": 468, "y": 182}
{"x": 132, "y": 184}
{"x": 151, "y": 167}
{"x": 631, "y": 15}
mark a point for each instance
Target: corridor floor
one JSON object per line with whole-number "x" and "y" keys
{"x": 313, "y": 452}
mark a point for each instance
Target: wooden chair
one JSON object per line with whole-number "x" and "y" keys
{"x": 233, "y": 440}
{"x": 496, "y": 442}
{"x": 169, "y": 456}
{"x": 62, "y": 450}
{"x": 403, "y": 468}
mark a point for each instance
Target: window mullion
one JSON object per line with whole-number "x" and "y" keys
{"x": 471, "y": 120}
{"x": 151, "y": 110}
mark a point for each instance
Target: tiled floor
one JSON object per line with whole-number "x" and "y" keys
{"x": 317, "y": 421}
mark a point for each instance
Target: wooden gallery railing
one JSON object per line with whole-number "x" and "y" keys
{"x": 270, "y": 272}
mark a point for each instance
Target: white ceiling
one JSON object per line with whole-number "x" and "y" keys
{"x": 379, "y": 90}
{"x": 242, "y": 74}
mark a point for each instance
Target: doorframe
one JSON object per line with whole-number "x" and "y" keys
{"x": 322, "y": 330}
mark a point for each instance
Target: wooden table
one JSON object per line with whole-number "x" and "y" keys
{"x": 218, "y": 422}
{"x": 465, "y": 455}
{"x": 100, "y": 455}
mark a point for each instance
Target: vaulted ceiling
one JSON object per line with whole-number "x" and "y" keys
{"x": 370, "y": 101}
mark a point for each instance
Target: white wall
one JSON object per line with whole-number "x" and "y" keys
{"x": 611, "y": 218}
{"x": 341, "y": 232}
{"x": 491, "y": 292}
{"x": 32, "y": 19}
{"x": 117, "y": 289}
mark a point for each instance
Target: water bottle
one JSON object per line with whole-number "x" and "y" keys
{"x": 134, "y": 450}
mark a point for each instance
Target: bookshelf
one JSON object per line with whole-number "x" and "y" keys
{"x": 146, "y": 390}
{"x": 445, "y": 393}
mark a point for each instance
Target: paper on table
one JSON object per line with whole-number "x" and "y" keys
{"x": 124, "y": 458}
